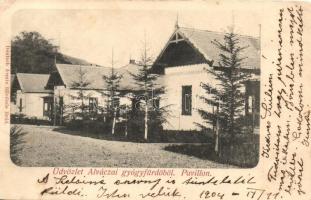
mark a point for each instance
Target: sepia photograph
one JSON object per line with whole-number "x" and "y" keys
{"x": 135, "y": 88}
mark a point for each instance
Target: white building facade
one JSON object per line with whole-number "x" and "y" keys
{"x": 28, "y": 94}
{"x": 182, "y": 62}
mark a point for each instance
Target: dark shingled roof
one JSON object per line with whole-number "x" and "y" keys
{"x": 33, "y": 83}
{"x": 202, "y": 41}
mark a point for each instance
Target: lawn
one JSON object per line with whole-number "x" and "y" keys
{"x": 46, "y": 146}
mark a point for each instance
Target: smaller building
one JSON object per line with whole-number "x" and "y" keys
{"x": 28, "y": 95}
{"x": 69, "y": 81}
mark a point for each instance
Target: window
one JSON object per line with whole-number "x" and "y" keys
{"x": 250, "y": 104}
{"x": 61, "y": 105}
{"x": 116, "y": 105}
{"x": 116, "y": 102}
{"x": 135, "y": 104}
{"x": 156, "y": 104}
{"x": 61, "y": 102}
{"x": 93, "y": 104}
{"x": 20, "y": 105}
{"x": 47, "y": 106}
{"x": 13, "y": 97}
{"x": 186, "y": 100}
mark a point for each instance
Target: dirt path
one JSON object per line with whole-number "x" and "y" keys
{"x": 45, "y": 147}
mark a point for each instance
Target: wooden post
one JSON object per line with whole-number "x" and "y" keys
{"x": 60, "y": 115}
{"x": 54, "y": 111}
{"x": 61, "y": 105}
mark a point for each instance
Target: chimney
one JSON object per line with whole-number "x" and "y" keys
{"x": 132, "y": 61}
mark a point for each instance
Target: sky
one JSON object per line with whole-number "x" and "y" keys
{"x": 92, "y": 34}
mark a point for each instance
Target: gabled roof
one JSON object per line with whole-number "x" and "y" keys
{"x": 93, "y": 74}
{"x": 127, "y": 82}
{"x": 32, "y": 83}
{"x": 202, "y": 41}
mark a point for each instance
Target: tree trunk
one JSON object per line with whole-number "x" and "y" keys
{"x": 54, "y": 112}
{"x": 61, "y": 116}
{"x": 146, "y": 121}
{"x": 114, "y": 121}
{"x": 217, "y": 138}
{"x": 217, "y": 149}
{"x": 126, "y": 124}
{"x": 82, "y": 108}
{"x": 125, "y": 130}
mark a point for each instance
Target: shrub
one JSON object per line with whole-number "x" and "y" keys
{"x": 75, "y": 124}
{"x": 97, "y": 127}
{"x": 187, "y": 136}
{"x": 16, "y": 143}
{"x": 22, "y": 119}
{"x": 243, "y": 153}
{"x": 243, "y": 150}
{"x": 136, "y": 127}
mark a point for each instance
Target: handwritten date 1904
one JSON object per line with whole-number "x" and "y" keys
{"x": 205, "y": 194}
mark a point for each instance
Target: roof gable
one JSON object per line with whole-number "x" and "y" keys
{"x": 32, "y": 83}
{"x": 201, "y": 41}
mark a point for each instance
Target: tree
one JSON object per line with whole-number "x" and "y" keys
{"x": 149, "y": 92}
{"x": 227, "y": 96}
{"x": 80, "y": 84}
{"x": 32, "y": 53}
{"x": 112, "y": 93}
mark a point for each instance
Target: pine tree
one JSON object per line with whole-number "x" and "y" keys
{"x": 112, "y": 93}
{"x": 81, "y": 95}
{"x": 149, "y": 91}
{"x": 228, "y": 95}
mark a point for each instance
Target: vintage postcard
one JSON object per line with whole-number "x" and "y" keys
{"x": 155, "y": 100}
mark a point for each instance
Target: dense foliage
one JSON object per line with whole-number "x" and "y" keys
{"x": 147, "y": 95}
{"x": 227, "y": 96}
{"x": 112, "y": 93}
{"x": 32, "y": 53}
